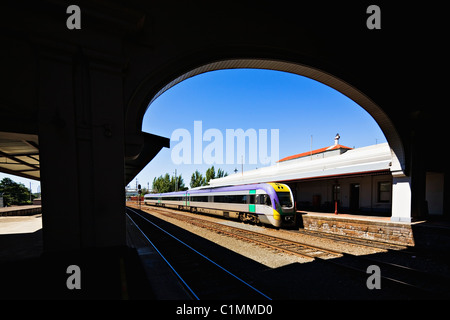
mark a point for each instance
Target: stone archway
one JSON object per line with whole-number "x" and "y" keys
{"x": 401, "y": 187}
{"x": 386, "y": 125}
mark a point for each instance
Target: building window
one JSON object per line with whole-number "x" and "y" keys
{"x": 384, "y": 191}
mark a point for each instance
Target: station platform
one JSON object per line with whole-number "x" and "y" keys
{"x": 27, "y": 272}
{"x": 431, "y": 232}
{"x": 136, "y": 271}
{"x": 20, "y": 210}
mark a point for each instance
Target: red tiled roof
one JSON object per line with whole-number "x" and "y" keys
{"x": 308, "y": 153}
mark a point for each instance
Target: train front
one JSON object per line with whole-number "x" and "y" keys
{"x": 284, "y": 209}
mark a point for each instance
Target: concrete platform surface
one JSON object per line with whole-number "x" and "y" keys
{"x": 28, "y": 273}
{"x": 20, "y": 237}
{"x": 20, "y": 224}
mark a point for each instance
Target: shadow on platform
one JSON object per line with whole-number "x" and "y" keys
{"x": 113, "y": 273}
{"x": 119, "y": 273}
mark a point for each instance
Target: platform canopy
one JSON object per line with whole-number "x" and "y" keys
{"x": 364, "y": 160}
{"x": 19, "y": 155}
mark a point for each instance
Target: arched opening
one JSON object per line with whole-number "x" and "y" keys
{"x": 397, "y": 164}
{"x": 386, "y": 125}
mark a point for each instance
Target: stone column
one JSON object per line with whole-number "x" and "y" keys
{"x": 401, "y": 198}
{"x": 81, "y": 139}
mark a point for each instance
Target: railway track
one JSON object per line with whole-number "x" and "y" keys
{"x": 410, "y": 282}
{"x": 279, "y": 244}
{"x": 202, "y": 277}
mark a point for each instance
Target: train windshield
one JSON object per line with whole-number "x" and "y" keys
{"x": 285, "y": 199}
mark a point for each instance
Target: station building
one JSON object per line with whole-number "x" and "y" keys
{"x": 359, "y": 184}
{"x": 349, "y": 184}
{"x": 358, "y": 180}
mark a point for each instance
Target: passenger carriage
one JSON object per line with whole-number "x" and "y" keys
{"x": 266, "y": 203}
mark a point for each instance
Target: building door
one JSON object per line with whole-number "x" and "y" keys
{"x": 336, "y": 197}
{"x": 354, "y": 197}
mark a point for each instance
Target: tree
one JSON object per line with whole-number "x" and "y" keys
{"x": 161, "y": 184}
{"x": 210, "y": 174}
{"x": 221, "y": 173}
{"x": 166, "y": 183}
{"x": 14, "y": 193}
{"x": 178, "y": 184}
{"x": 197, "y": 180}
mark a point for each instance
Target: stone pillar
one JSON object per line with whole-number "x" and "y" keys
{"x": 81, "y": 140}
{"x": 418, "y": 174}
{"x": 401, "y": 198}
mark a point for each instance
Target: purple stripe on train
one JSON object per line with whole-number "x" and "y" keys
{"x": 261, "y": 186}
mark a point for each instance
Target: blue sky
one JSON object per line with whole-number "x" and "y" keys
{"x": 255, "y": 99}
{"x": 251, "y": 99}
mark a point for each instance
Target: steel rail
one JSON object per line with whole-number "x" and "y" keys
{"x": 164, "y": 258}
{"x": 256, "y": 237}
{"x": 202, "y": 255}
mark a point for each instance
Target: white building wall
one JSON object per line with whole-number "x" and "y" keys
{"x": 376, "y": 205}
{"x": 368, "y": 192}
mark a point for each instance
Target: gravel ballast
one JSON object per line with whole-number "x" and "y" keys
{"x": 269, "y": 257}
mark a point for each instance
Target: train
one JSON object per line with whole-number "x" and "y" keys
{"x": 259, "y": 203}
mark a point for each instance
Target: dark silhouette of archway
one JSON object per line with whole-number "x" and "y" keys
{"x": 78, "y": 97}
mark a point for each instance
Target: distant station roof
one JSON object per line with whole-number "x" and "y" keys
{"x": 19, "y": 155}
{"x": 313, "y": 152}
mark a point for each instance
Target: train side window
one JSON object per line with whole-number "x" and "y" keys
{"x": 200, "y": 199}
{"x": 251, "y": 199}
{"x": 219, "y": 199}
{"x": 267, "y": 201}
{"x": 262, "y": 198}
